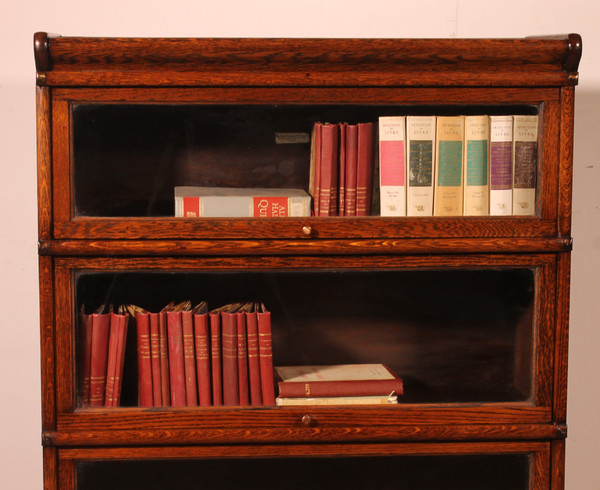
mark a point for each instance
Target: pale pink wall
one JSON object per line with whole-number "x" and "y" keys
{"x": 20, "y": 451}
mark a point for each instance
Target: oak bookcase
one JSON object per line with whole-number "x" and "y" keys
{"x": 472, "y": 312}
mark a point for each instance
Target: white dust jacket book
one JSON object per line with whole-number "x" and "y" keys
{"x": 476, "y": 200}
{"x": 392, "y": 168}
{"x": 420, "y": 151}
{"x": 525, "y": 158}
{"x": 501, "y": 167}
{"x": 448, "y": 189}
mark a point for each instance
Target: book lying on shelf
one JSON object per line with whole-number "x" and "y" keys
{"x": 225, "y": 202}
{"x": 338, "y": 400}
{"x": 340, "y": 380}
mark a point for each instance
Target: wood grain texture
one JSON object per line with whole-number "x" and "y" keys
{"x": 308, "y": 62}
{"x": 44, "y": 162}
{"x": 302, "y": 435}
{"x": 83, "y": 244}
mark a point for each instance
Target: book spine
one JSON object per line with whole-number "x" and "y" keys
{"x": 142, "y": 323}
{"x": 165, "y": 383}
{"x": 448, "y": 192}
{"x": 309, "y": 389}
{"x": 314, "y": 184}
{"x": 122, "y": 343}
{"x": 229, "y": 351}
{"x": 476, "y": 166}
{"x": 341, "y": 197}
{"x": 525, "y": 155}
{"x": 176, "y": 359}
{"x": 329, "y": 170}
{"x": 420, "y": 136}
{"x": 501, "y": 166}
{"x": 85, "y": 345}
{"x": 189, "y": 357}
{"x": 392, "y": 171}
{"x": 364, "y": 170}
{"x": 99, "y": 358}
{"x": 253, "y": 359}
{"x": 265, "y": 345}
{"x": 202, "y": 336}
{"x": 351, "y": 167}
{"x": 155, "y": 359}
{"x": 112, "y": 362}
{"x": 215, "y": 358}
{"x": 244, "y": 392}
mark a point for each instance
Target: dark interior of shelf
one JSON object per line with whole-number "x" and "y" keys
{"x": 471, "y": 472}
{"x": 452, "y": 335}
{"x": 128, "y": 158}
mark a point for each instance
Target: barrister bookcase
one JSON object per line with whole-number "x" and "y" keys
{"x": 472, "y": 312}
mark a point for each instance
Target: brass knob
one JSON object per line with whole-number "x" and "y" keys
{"x": 307, "y": 420}
{"x": 307, "y": 230}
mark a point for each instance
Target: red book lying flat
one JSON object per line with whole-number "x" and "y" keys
{"x": 337, "y": 380}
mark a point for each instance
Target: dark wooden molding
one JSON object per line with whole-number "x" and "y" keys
{"x": 73, "y": 61}
{"x": 41, "y": 51}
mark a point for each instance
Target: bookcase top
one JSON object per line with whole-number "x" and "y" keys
{"x": 534, "y": 61}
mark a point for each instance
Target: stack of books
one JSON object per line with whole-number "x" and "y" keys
{"x": 345, "y": 384}
{"x": 190, "y": 356}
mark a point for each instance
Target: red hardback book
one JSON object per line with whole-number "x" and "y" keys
{"x": 99, "y": 358}
{"x": 265, "y": 345}
{"x": 314, "y": 185}
{"x": 253, "y": 358}
{"x": 244, "y": 392}
{"x": 113, "y": 360}
{"x": 85, "y": 343}
{"x": 337, "y": 381}
{"x": 176, "y": 358}
{"x": 121, "y": 344}
{"x": 203, "y": 371}
{"x": 329, "y": 170}
{"x": 364, "y": 170}
{"x": 155, "y": 359}
{"x": 351, "y": 167}
{"x": 229, "y": 349}
{"x": 189, "y": 356}
{"x": 163, "y": 344}
{"x": 142, "y": 322}
{"x": 215, "y": 358}
{"x": 341, "y": 198}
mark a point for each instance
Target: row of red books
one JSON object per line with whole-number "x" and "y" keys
{"x": 190, "y": 356}
{"x": 341, "y": 171}
{"x": 103, "y": 341}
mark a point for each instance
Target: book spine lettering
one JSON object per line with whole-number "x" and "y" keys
{"x": 253, "y": 359}
{"x": 176, "y": 359}
{"x": 142, "y": 321}
{"x": 300, "y": 389}
{"x": 266, "y": 357}
{"x": 215, "y": 356}
{"x": 189, "y": 356}
{"x": 501, "y": 166}
{"x": 392, "y": 169}
{"x": 420, "y": 135}
{"x": 230, "y": 358}
{"x": 244, "y": 394}
{"x": 155, "y": 356}
{"x": 201, "y": 332}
